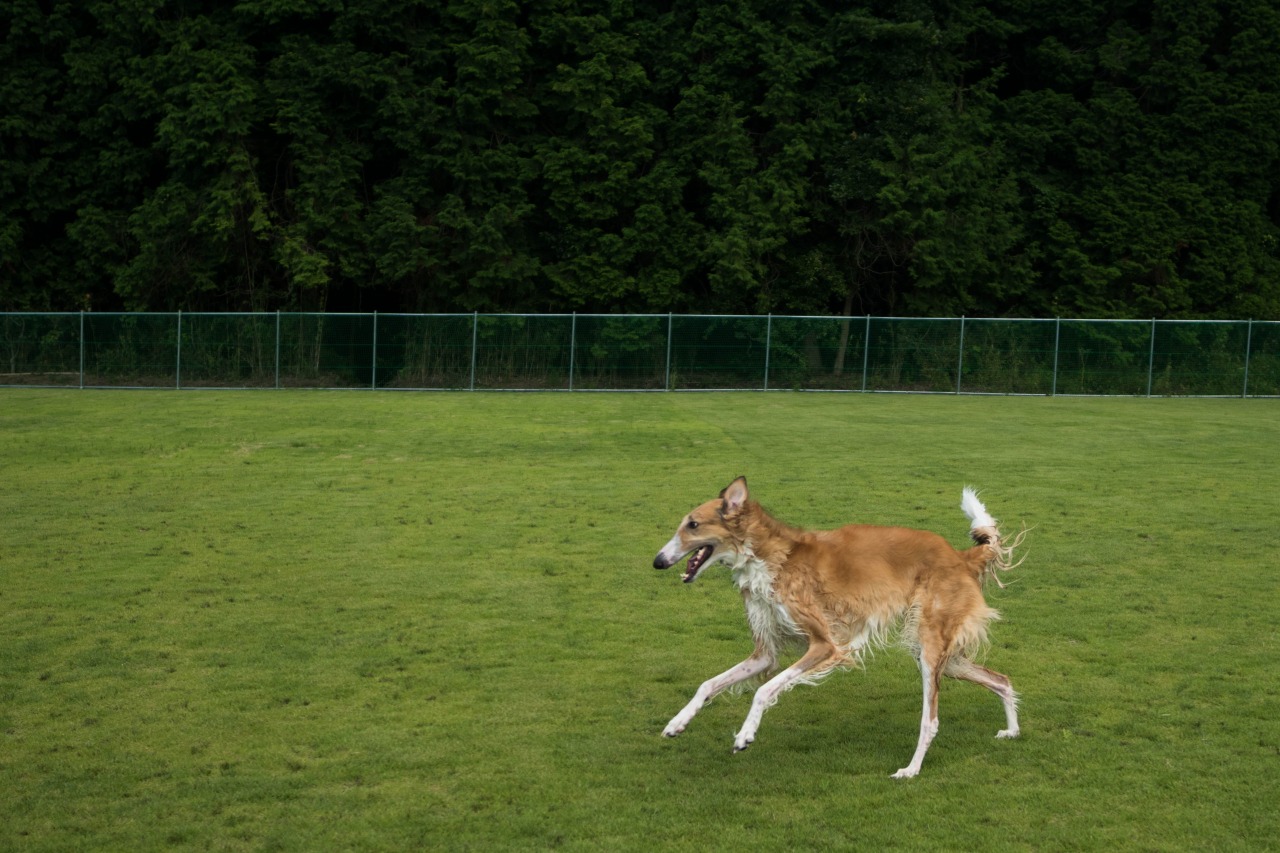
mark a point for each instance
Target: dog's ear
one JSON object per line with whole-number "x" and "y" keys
{"x": 734, "y": 496}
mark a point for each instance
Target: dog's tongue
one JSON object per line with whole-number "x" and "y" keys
{"x": 696, "y": 559}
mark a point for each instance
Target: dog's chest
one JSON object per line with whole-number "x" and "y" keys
{"x": 771, "y": 623}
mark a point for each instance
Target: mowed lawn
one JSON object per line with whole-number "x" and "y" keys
{"x": 378, "y": 621}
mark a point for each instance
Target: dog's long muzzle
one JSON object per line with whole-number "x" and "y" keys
{"x": 697, "y": 558}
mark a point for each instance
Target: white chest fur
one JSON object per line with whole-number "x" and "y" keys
{"x": 771, "y": 624}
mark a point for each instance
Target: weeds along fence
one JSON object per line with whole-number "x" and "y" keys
{"x": 581, "y": 352}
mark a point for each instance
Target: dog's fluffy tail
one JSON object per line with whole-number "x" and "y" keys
{"x": 985, "y": 532}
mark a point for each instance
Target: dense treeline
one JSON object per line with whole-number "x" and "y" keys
{"x": 1019, "y": 157}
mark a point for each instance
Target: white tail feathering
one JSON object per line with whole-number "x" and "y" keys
{"x": 985, "y": 531}
{"x": 973, "y": 508}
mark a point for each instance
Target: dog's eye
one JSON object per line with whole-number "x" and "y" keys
{"x": 693, "y": 525}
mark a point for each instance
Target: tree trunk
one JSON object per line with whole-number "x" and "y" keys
{"x": 838, "y": 369}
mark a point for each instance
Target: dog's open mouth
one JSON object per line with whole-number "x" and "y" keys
{"x": 696, "y": 561}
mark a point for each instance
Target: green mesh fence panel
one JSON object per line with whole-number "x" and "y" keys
{"x": 641, "y": 352}
{"x": 228, "y": 351}
{"x": 40, "y": 349}
{"x": 130, "y": 350}
{"x": 1264, "y": 360}
{"x": 326, "y": 350}
{"x": 1104, "y": 356}
{"x": 522, "y": 351}
{"x": 426, "y": 351}
{"x": 1008, "y": 356}
{"x": 817, "y": 353}
{"x": 619, "y": 352}
{"x": 718, "y": 352}
{"x": 913, "y": 355}
{"x": 1199, "y": 359}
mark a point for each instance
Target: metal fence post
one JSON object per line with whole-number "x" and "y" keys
{"x": 1057, "y": 336}
{"x": 1151, "y": 357}
{"x": 573, "y": 344}
{"x": 667, "y": 383}
{"x": 960, "y": 362}
{"x": 373, "y": 383}
{"x": 177, "y": 373}
{"x": 1248, "y": 351}
{"x": 475, "y": 326}
{"x": 277, "y": 350}
{"x": 768, "y": 342}
{"x": 81, "y": 350}
{"x": 866, "y": 351}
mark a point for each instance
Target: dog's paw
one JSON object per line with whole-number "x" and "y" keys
{"x": 905, "y": 773}
{"x": 741, "y": 742}
{"x": 675, "y": 727}
{"x": 1007, "y": 733}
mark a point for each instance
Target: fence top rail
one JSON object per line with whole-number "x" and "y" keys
{"x": 864, "y": 317}
{"x": 1115, "y": 321}
{"x": 1210, "y": 322}
{"x": 1149, "y": 321}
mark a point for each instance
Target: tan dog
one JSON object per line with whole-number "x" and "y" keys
{"x": 838, "y": 591}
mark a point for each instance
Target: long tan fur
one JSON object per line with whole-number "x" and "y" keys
{"x": 835, "y": 593}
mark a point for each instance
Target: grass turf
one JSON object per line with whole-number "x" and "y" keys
{"x": 308, "y": 620}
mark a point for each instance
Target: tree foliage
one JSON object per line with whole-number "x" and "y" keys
{"x": 1016, "y": 157}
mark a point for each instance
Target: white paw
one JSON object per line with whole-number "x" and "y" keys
{"x": 1007, "y": 733}
{"x": 742, "y": 741}
{"x": 905, "y": 773}
{"x": 674, "y": 728}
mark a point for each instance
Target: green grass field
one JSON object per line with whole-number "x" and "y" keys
{"x": 374, "y": 621}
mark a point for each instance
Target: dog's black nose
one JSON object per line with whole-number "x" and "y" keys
{"x": 659, "y": 563}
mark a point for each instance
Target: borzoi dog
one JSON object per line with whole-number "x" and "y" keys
{"x": 839, "y": 591}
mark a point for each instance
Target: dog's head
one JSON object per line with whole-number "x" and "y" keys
{"x": 709, "y": 533}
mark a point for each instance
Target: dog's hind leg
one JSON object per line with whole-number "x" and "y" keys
{"x": 997, "y": 683}
{"x": 752, "y": 666}
{"x": 930, "y": 664}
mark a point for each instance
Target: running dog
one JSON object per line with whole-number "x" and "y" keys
{"x": 836, "y": 592}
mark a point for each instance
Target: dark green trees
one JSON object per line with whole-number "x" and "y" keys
{"x": 1018, "y": 157}
{"x": 1144, "y": 137}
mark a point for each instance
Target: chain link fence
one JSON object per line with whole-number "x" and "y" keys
{"x": 655, "y": 352}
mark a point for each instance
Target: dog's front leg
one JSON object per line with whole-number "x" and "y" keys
{"x": 750, "y": 667}
{"x": 819, "y": 657}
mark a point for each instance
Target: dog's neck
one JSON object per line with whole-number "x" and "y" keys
{"x": 763, "y": 537}
{"x": 762, "y": 548}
